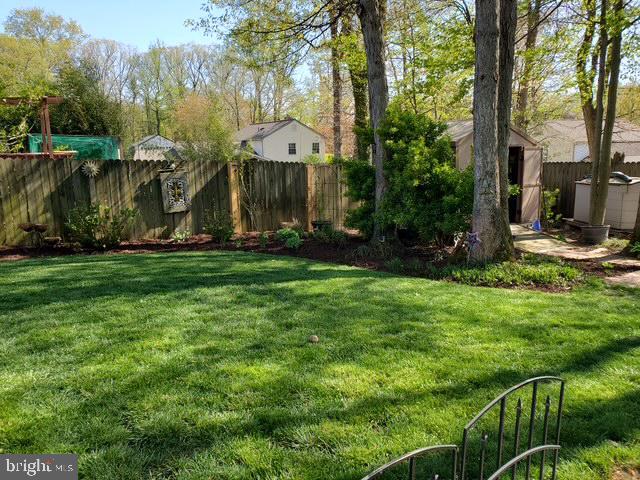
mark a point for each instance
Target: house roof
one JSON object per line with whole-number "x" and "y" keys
{"x": 459, "y": 129}
{"x": 258, "y": 131}
{"x": 623, "y": 132}
{"x": 160, "y": 142}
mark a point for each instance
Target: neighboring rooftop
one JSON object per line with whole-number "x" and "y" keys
{"x": 258, "y": 131}
{"x": 154, "y": 141}
{"x": 623, "y": 131}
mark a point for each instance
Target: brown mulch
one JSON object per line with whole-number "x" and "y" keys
{"x": 310, "y": 249}
{"x": 247, "y": 242}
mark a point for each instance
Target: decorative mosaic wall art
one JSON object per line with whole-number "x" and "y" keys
{"x": 175, "y": 192}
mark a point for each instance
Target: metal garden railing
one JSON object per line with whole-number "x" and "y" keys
{"x": 491, "y": 456}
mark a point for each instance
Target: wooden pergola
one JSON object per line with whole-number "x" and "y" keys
{"x": 45, "y": 124}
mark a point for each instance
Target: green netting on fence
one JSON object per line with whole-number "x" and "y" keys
{"x": 88, "y": 148}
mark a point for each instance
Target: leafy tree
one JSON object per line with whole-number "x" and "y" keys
{"x": 197, "y": 124}
{"x": 36, "y": 24}
{"x": 85, "y": 110}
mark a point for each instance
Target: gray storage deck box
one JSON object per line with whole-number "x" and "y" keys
{"x": 622, "y": 201}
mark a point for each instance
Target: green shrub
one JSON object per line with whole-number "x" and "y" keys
{"x": 360, "y": 179}
{"x": 263, "y": 239}
{"x": 331, "y": 236}
{"x": 549, "y": 205}
{"x": 293, "y": 243}
{"x": 426, "y": 194}
{"x": 373, "y": 251}
{"x": 180, "y": 236}
{"x": 94, "y": 226}
{"x": 290, "y": 238}
{"x": 219, "y": 225}
{"x": 394, "y": 265}
{"x": 635, "y": 248}
{"x": 615, "y": 244}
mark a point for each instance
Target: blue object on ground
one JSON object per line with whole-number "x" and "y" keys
{"x": 537, "y": 226}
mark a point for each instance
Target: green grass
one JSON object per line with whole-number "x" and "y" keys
{"x": 197, "y": 365}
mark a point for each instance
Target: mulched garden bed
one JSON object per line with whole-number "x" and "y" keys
{"x": 349, "y": 253}
{"x": 249, "y": 242}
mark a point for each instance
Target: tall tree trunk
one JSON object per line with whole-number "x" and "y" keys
{"x": 490, "y": 240}
{"x": 508, "y": 20}
{"x": 523, "y": 117}
{"x": 360, "y": 107}
{"x": 337, "y": 90}
{"x": 371, "y": 15}
{"x": 598, "y": 209}
{"x": 585, "y": 76}
{"x": 358, "y": 78}
{"x": 600, "y": 167}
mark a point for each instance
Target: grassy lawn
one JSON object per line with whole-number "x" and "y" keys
{"x": 197, "y": 365}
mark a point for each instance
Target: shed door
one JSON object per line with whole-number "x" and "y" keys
{"x": 531, "y": 184}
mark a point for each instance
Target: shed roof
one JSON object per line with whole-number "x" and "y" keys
{"x": 459, "y": 129}
{"x": 623, "y": 132}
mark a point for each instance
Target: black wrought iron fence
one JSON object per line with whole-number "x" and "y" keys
{"x": 514, "y": 436}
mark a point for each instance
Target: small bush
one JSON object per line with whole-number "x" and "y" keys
{"x": 94, "y": 226}
{"x": 219, "y": 225}
{"x": 394, "y": 265}
{"x": 290, "y": 238}
{"x": 373, "y": 251}
{"x": 635, "y": 248}
{"x": 331, "y": 236}
{"x": 180, "y": 236}
{"x": 263, "y": 239}
{"x": 615, "y": 244}
{"x": 549, "y": 206}
{"x": 293, "y": 243}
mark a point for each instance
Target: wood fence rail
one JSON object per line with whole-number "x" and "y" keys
{"x": 563, "y": 176}
{"x": 44, "y": 190}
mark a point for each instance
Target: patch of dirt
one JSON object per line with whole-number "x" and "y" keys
{"x": 626, "y": 474}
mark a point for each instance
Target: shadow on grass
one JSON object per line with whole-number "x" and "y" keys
{"x": 241, "y": 368}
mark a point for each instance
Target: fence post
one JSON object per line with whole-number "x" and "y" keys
{"x": 311, "y": 195}
{"x": 234, "y": 196}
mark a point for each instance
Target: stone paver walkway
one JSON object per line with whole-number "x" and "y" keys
{"x": 528, "y": 240}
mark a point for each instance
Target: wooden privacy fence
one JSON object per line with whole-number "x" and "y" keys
{"x": 44, "y": 190}
{"x": 563, "y": 175}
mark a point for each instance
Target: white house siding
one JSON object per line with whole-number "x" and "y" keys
{"x": 258, "y": 147}
{"x": 276, "y": 145}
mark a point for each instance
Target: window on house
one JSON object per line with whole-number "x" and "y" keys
{"x": 292, "y": 149}
{"x": 315, "y": 148}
